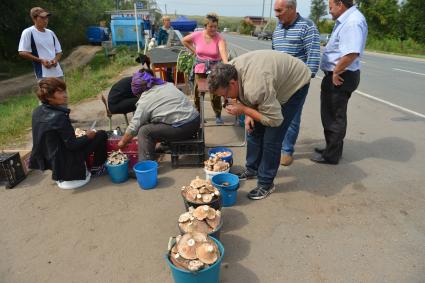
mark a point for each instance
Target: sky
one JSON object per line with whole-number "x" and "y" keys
{"x": 238, "y": 8}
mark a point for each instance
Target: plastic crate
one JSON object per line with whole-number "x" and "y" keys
{"x": 188, "y": 152}
{"x": 11, "y": 169}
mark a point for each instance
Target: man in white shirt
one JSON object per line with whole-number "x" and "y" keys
{"x": 41, "y": 46}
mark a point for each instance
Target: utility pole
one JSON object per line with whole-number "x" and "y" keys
{"x": 262, "y": 15}
{"x": 166, "y": 8}
{"x": 270, "y": 17}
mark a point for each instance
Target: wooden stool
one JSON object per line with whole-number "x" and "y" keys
{"x": 109, "y": 114}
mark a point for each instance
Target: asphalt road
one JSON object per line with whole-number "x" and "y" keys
{"x": 395, "y": 80}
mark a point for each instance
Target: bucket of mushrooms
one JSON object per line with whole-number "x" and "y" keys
{"x": 201, "y": 192}
{"x": 194, "y": 258}
{"x": 224, "y": 153}
{"x": 117, "y": 166}
{"x": 204, "y": 219}
{"x": 215, "y": 165}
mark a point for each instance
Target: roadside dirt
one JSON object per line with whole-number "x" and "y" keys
{"x": 18, "y": 85}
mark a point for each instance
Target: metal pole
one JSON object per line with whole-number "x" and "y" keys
{"x": 270, "y": 17}
{"x": 137, "y": 28}
{"x": 262, "y": 15}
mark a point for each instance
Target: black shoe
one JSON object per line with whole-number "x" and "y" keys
{"x": 319, "y": 150}
{"x": 245, "y": 175}
{"x": 321, "y": 160}
{"x": 261, "y": 191}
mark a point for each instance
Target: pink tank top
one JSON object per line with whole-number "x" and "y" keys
{"x": 204, "y": 50}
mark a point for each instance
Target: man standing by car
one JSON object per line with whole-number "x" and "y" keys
{"x": 341, "y": 65}
{"x": 41, "y": 46}
{"x": 298, "y": 37}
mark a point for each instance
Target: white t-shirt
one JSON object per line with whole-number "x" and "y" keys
{"x": 47, "y": 46}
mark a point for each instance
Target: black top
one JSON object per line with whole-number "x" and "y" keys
{"x": 120, "y": 91}
{"x": 55, "y": 145}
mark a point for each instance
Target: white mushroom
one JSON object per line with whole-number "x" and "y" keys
{"x": 207, "y": 252}
{"x": 187, "y": 247}
{"x": 195, "y": 265}
{"x": 184, "y": 217}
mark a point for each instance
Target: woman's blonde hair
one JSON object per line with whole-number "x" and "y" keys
{"x": 165, "y": 18}
{"x": 211, "y": 17}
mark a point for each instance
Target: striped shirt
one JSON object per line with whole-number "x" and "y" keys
{"x": 301, "y": 40}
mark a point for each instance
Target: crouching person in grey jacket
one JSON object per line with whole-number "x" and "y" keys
{"x": 163, "y": 114}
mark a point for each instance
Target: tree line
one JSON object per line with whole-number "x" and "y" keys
{"x": 387, "y": 19}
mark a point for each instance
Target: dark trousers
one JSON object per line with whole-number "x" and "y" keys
{"x": 264, "y": 143}
{"x": 150, "y": 134}
{"x": 215, "y": 99}
{"x": 124, "y": 106}
{"x": 333, "y": 110}
{"x": 97, "y": 146}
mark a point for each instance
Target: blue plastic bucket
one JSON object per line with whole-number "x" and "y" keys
{"x": 118, "y": 173}
{"x": 213, "y": 151}
{"x": 146, "y": 174}
{"x": 228, "y": 193}
{"x": 210, "y": 274}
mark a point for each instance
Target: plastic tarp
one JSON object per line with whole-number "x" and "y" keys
{"x": 183, "y": 24}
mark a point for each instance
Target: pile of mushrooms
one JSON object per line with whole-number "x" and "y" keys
{"x": 200, "y": 191}
{"x": 117, "y": 158}
{"x": 203, "y": 219}
{"x": 215, "y": 164}
{"x": 221, "y": 154}
{"x": 79, "y": 132}
{"x": 193, "y": 251}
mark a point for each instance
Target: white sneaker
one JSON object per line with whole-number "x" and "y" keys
{"x": 70, "y": 185}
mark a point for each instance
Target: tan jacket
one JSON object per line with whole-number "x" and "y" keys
{"x": 267, "y": 79}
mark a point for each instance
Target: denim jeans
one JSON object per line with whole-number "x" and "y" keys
{"x": 264, "y": 143}
{"x": 293, "y": 130}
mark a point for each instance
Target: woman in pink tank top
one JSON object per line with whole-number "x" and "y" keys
{"x": 209, "y": 48}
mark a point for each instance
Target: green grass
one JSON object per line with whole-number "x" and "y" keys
{"x": 82, "y": 83}
{"x": 395, "y": 46}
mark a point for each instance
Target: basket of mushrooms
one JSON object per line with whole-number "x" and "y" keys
{"x": 201, "y": 192}
{"x": 215, "y": 165}
{"x": 195, "y": 257}
{"x": 202, "y": 219}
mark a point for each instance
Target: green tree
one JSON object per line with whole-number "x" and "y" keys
{"x": 246, "y": 27}
{"x": 317, "y": 10}
{"x": 383, "y": 17}
{"x": 413, "y": 20}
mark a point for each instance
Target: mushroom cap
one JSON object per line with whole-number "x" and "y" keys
{"x": 214, "y": 222}
{"x": 207, "y": 252}
{"x": 187, "y": 246}
{"x": 199, "y": 237}
{"x": 184, "y": 217}
{"x": 179, "y": 261}
{"x": 211, "y": 213}
{"x": 190, "y": 194}
{"x": 201, "y": 226}
{"x": 201, "y": 212}
{"x": 186, "y": 227}
{"x": 195, "y": 265}
{"x": 207, "y": 198}
{"x": 197, "y": 183}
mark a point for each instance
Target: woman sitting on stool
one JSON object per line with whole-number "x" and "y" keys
{"x": 55, "y": 146}
{"x": 163, "y": 113}
{"x": 121, "y": 99}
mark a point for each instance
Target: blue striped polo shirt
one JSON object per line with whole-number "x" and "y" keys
{"x": 301, "y": 40}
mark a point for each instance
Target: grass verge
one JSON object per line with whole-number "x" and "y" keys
{"x": 82, "y": 83}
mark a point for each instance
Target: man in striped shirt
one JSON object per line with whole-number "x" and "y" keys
{"x": 298, "y": 37}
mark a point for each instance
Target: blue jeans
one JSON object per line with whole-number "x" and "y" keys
{"x": 264, "y": 143}
{"x": 293, "y": 130}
